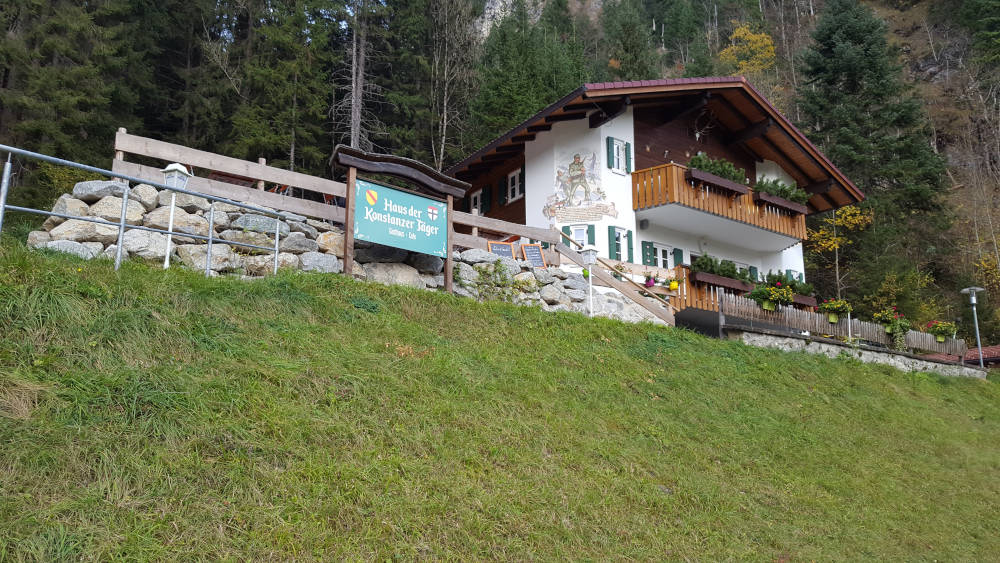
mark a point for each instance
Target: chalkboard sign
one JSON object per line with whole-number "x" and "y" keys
{"x": 501, "y": 248}
{"x": 533, "y": 254}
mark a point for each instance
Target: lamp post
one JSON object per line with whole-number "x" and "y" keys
{"x": 174, "y": 176}
{"x": 589, "y": 254}
{"x": 971, "y": 292}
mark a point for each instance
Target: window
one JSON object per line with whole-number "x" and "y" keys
{"x": 476, "y": 202}
{"x": 579, "y": 234}
{"x": 619, "y": 156}
{"x": 661, "y": 259}
{"x": 692, "y": 256}
{"x": 515, "y": 189}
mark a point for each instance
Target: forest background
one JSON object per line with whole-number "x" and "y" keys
{"x": 903, "y": 95}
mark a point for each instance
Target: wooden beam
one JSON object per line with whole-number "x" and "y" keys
{"x": 564, "y": 117}
{"x": 523, "y": 138}
{"x": 608, "y": 111}
{"x": 754, "y": 131}
{"x": 820, "y": 187}
{"x": 511, "y": 148}
{"x": 429, "y": 179}
{"x": 539, "y": 127}
{"x": 585, "y": 106}
{"x": 498, "y": 156}
{"x": 682, "y": 110}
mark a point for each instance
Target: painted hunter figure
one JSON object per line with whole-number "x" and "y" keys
{"x": 578, "y": 192}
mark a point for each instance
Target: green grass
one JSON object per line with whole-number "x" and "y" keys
{"x": 162, "y": 415}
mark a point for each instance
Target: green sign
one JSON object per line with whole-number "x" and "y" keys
{"x": 394, "y": 218}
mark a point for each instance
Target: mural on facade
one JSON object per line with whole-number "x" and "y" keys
{"x": 578, "y": 196}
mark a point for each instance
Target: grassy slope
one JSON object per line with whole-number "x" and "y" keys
{"x": 164, "y": 415}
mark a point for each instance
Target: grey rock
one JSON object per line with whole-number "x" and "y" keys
{"x": 146, "y": 195}
{"x": 527, "y": 279}
{"x": 319, "y": 262}
{"x": 109, "y": 208}
{"x": 393, "y": 273}
{"x": 510, "y": 266}
{"x": 331, "y": 242}
{"x": 94, "y": 247}
{"x": 478, "y": 256}
{"x": 220, "y": 221}
{"x": 187, "y": 202}
{"x": 552, "y": 295}
{"x": 297, "y": 243}
{"x": 321, "y": 226}
{"x": 576, "y": 295}
{"x": 184, "y": 222}
{"x": 289, "y": 216}
{"x": 223, "y": 258}
{"x": 78, "y": 230}
{"x": 456, "y": 256}
{"x": 144, "y": 244}
{"x": 543, "y": 276}
{"x": 558, "y": 273}
{"x": 66, "y": 205}
{"x": 380, "y": 253}
{"x": 72, "y": 247}
{"x": 305, "y": 228}
{"x": 575, "y": 281}
{"x": 557, "y": 308}
{"x": 432, "y": 281}
{"x": 466, "y": 274}
{"x": 463, "y": 291}
{"x": 223, "y": 207}
{"x": 248, "y": 237}
{"x": 38, "y": 239}
{"x": 111, "y": 251}
{"x": 263, "y": 265}
{"x": 426, "y": 263}
{"x": 260, "y": 224}
{"x": 94, "y": 190}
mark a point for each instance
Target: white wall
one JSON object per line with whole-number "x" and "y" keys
{"x": 769, "y": 170}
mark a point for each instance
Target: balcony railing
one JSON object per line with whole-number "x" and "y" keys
{"x": 676, "y": 184}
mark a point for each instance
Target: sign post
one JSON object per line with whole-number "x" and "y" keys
{"x": 448, "y": 261}
{"x": 352, "y": 176}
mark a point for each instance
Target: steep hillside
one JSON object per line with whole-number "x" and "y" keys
{"x": 163, "y": 415}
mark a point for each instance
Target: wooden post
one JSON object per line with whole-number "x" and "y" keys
{"x": 120, "y": 155}
{"x": 475, "y": 230}
{"x": 448, "y": 266}
{"x": 349, "y": 222}
{"x": 263, "y": 162}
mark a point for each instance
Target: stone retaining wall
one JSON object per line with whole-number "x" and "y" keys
{"x": 305, "y": 244}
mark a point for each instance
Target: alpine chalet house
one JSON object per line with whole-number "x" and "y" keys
{"x": 609, "y": 164}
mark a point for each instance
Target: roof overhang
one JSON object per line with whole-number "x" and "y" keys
{"x": 753, "y": 123}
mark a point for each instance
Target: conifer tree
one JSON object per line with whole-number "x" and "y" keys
{"x": 628, "y": 40}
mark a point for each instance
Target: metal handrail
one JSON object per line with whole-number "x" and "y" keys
{"x": 126, "y": 190}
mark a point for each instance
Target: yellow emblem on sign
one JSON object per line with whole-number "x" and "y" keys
{"x": 371, "y": 196}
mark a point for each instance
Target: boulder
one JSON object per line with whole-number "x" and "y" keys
{"x": 187, "y": 202}
{"x": 331, "y": 242}
{"x": 184, "y": 222}
{"x": 526, "y": 279}
{"x": 94, "y": 247}
{"x": 248, "y": 237}
{"x": 109, "y": 208}
{"x": 260, "y": 224}
{"x": 304, "y": 228}
{"x": 297, "y": 243}
{"x": 576, "y": 295}
{"x": 263, "y": 265}
{"x": 38, "y": 239}
{"x": 72, "y": 247}
{"x": 558, "y": 273}
{"x": 380, "y": 253}
{"x": 553, "y": 296}
{"x": 478, "y": 256}
{"x": 223, "y": 258}
{"x": 510, "y": 266}
{"x": 393, "y": 273}
{"x": 575, "y": 281}
{"x": 111, "y": 251}
{"x": 144, "y": 244}
{"x": 223, "y": 207}
{"x": 543, "y": 276}
{"x": 465, "y": 274}
{"x": 433, "y": 282}
{"x": 319, "y": 262}
{"x": 79, "y": 231}
{"x": 146, "y": 195}
{"x": 321, "y": 226}
{"x": 93, "y": 190}
{"x": 289, "y": 216}
{"x": 426, "y": 263}
{"x": 67, "y": 205}
{"x": 462, "y": 291}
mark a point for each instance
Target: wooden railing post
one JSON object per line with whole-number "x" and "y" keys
{"x": 263, "y": 162}
{"x": 448, "y": 261}
{"x": 352, "y": 173}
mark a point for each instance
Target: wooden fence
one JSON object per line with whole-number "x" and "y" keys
{"x": 746, "y": 311}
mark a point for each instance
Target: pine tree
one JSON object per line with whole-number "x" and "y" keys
{"x": 628, "y": 41}
{"x": 867, "y": 120}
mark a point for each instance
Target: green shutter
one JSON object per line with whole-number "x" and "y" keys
{"x": 789, "y": 275}
{"x": 678, "y": 257}
{"x": 628, "y": 158}
{"x": 611, "y": 244}
{"x": 648, "y": 253}
{"x": 524, "y": 189}
{"x": 754, "y": 275}
{"x": 569, "y": 233}
{"x": 486, "y": 199}
{"x": 502, "y": 190}
{"x": 628, "y": 239}
{"x": 611, "y": 152}
{"x": 802, "y": 277}
{"x": 591, "y": 235}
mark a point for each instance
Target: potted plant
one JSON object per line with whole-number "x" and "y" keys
{"x": 941, "y": 329}
{"x": 770, "y": 296}
{"x": 834, "y": 308}
{"x": 891, "y": 319}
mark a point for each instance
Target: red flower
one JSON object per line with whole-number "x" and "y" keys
{"x": 777, "y": 284}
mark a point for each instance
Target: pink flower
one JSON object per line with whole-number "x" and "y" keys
{"x": 778, "y": 284}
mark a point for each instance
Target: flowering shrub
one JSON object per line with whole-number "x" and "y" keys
{"x": 941, "y": 328}
{"x": 838, "y": 306}
{"x": 779, "y": 293}
{"x": 886, "y": 316}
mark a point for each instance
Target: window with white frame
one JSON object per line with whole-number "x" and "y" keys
{"x": 619, "y": 242}
{"x": 476, "y": 202}
{"x": 579, "y": 234}
{"x": 692, "y": 256}
{"x": 618, "y": 156}
{"x": 514, "y": 188}
{"x": 662, "y": 255}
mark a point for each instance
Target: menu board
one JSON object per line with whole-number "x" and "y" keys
{"x": 533, "y": 254}
{"x": 501, "y": 248}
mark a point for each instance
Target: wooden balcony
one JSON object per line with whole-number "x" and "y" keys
{"x": 674, "y": 184}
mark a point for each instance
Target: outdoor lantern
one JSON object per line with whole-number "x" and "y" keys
{"x": 176, "y": 176}
{"x": 971, "y": 292}
{"x": 589, "y": 254}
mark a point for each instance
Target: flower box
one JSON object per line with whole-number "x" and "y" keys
{"x": 695, "y": 175}
{"x": 713, "y": 279}
{"x": 780, "y": 202}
